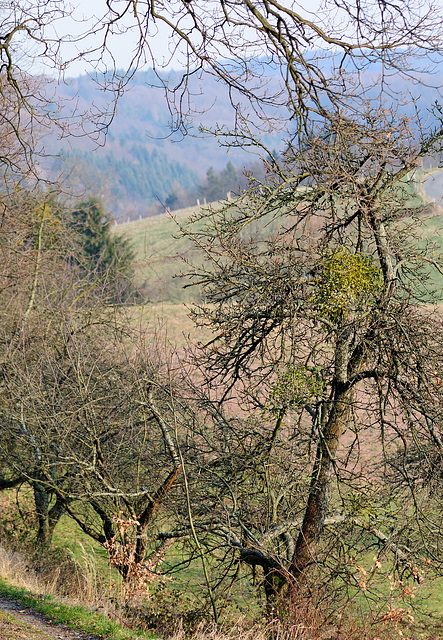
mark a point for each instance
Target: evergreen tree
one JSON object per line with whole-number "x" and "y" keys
{"x": 103, "y": 252}
{"x": 217, "y": 185}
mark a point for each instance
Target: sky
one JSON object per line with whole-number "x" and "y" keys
{"x": 84, "y": 15}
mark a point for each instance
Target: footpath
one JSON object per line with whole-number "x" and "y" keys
{"x": 20, "y": 623}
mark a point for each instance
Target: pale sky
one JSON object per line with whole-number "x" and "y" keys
{"x": 86, "y": 15}
{"x": 86, "y": 12}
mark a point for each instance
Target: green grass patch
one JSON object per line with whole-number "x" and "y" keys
{"x": 160, "y": 250}
{"x": 73, "y": 616}
{"x": 83, "y": 550}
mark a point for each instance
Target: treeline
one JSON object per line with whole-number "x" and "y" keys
{"x": 132, "y": 181}
{"x": 216, "y": 185}
{"x": 139, "y": 182}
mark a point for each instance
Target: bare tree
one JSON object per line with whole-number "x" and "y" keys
{"x": 284, "y": 61}
{"x": 88, "y": 419}
{"x": 323, "y": 318}
{"x": 321, "y": 295}
{"x": 24, "y": 98}
{"x": 57, "y": 327}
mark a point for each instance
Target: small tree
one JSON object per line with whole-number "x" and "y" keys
{"x": 35, "y": 245}
{"x": 85, "y": 407}
{"x": 103, "y": 252}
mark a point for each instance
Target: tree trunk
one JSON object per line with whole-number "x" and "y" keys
{"x": 47, "y": 518}
{"x": 331, "y": 429}
{"x": 145, "y": 518}
{"x": 318, "y": 500}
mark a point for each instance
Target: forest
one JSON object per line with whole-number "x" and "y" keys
{"x": 227, "y": 422}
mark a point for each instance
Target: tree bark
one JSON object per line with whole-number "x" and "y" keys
{"x": 146, "y": 517}
{"x": 330, "y": 431}
{"x": 318, "y": 500}
{"x": 47, "y": 518}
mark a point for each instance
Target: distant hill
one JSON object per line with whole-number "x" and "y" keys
{"x": 143, "y": 163}
{"x": 144, "y": 166}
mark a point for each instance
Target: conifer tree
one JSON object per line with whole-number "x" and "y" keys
{"x": 103, "y": 252}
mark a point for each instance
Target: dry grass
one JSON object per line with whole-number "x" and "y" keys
{"x": 310, "y": 625}
{"x": 15, "y": 569}
{"x": 68, "y": 581}
{"x": 304, "y": 622}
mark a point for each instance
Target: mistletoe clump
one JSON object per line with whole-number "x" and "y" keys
{"x": 346, "y": 284}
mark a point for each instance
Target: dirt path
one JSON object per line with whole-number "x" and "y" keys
{"x": 20, "y": 623}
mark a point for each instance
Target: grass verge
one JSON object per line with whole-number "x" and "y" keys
{"x": 73, "y": 616}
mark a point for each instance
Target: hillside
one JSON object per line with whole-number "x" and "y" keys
{"x": 162, "y": 253}
{"x": 146, "y": 157}
{"x": 141, "y": 161}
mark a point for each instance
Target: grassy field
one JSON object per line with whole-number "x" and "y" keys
{"x": 161, "y": 255}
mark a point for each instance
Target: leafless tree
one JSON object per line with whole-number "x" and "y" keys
{"x": 280, "y": 59}
{"x": 321, "y": 294}
{"x": 65, "y": 354}
{"x": 318, "y": 291}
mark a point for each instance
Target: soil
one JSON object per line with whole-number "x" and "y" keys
{"x": 20, "y": 623}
